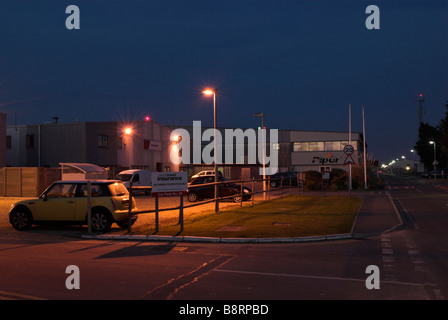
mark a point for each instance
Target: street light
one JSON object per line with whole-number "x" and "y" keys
{"x": 435, "y": 161}
{"x": 210, "y": 92}
{"x": 260, "y": 114}
{"x": 415, "y": 165}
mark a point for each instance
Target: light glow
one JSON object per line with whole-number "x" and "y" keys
{"x": 208, "y": 92}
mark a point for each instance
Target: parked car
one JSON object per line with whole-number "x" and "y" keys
{"x": 438, "y": 174}
{"x": 205, "y": 173}
{"x": 66, "y": 202}
{"x": 283, "y": 179}
{"x": 198, "y": 191}
{"x": 139, "y": 178}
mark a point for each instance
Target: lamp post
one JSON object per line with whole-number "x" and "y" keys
{"x": 262, "y": 146}
{"x": 210, "y": 92}
{"x": 435, "y": 161}
{"x": 415, "y": 166}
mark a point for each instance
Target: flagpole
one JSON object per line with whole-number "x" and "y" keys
{"x": 364, "y": 140}
{"x": 350, "y": 142}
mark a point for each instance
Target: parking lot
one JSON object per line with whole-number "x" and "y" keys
{"x": 144, "y": 202}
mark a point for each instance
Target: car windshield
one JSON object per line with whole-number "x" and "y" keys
{"x": 123, "y": 176}
{"x": 118, "y": 189}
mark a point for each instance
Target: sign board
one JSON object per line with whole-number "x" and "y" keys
{"x": 168, "y": 184}
{"x": 349, "y": 160}
{"x": 348, "y": 149}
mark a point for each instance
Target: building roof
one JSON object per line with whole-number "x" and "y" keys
{"x": 84, "y": 167}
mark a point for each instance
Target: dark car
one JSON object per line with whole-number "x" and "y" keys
{"x": 283, "y": 179}
{"x": 201, "y": 188}
{"x": 439, "y": 174}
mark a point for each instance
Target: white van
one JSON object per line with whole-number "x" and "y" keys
{"x": 140, "y": 178}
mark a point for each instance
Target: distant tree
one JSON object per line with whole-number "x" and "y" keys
{"x": 425, "y": 150}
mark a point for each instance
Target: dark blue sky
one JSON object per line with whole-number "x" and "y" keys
{"x": 299, "y": 62}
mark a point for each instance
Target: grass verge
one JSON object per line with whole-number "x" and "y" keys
{"x": 292, "y": 216}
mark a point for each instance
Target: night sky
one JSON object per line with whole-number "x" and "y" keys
{"x": 299, "y": 62}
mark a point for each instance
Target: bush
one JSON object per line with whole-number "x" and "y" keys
{"x": 338, "y": 179}
{"x": 313, "y": 180}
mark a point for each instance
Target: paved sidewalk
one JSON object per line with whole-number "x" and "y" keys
{"x": 377, "y": 215}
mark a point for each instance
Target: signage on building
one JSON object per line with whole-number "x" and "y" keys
{"x": 155, "y": 145}
{"x": 168, "y": 184}
{"x": 326, "y": 160}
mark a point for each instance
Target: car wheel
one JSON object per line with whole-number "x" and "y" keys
{"x": 21, "y": 219}
{"x": 192, "y": 197}
{"x": 237, "y": 199}
{"x": 101, "y": 221}
{"x": 274, "y": 184}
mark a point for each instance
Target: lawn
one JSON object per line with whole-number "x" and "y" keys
{"x": 292, "y": 216}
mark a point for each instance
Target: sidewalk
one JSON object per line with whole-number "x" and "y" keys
{"x": 378, "y": 214}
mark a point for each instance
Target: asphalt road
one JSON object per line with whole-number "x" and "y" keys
{"x": 412, "y": 262}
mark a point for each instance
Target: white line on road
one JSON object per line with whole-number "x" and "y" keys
{"x": 317, "y": 277}
{"x": 17, "y": 296}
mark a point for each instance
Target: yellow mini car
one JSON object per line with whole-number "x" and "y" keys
{"x": 66, "y": 202}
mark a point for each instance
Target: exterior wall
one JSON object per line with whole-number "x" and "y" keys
{"x": 146, "y": 147}
{"x": 325, "y": 159}
{"x": 45, "y": 145}
{"x": 2, "y": 140}
{"x": 101, "y": 143}
{"x": 60, "y": 143}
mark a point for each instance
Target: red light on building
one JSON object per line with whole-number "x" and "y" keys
{"x": 147, "y": 118}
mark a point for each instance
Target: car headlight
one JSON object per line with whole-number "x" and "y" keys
{"x": 246, "y": 191}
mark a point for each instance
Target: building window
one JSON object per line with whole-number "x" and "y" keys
{"x": 29, "y": 141}
{"x": 322, "y": 146}
{"x": 167, "y": 168}
{"x": 103, "y": 141}
{"x": 316, "y": 146}
{"x": 301, "y": 146}
{"x": 8, "y": 142}
{"x": 146, "y": 144}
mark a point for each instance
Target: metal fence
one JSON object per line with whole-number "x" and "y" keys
{"x": 267, "y": 191}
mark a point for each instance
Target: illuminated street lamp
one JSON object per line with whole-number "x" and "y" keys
{"x": 435, "y": 161}
{"x": 128, "y": 131}
{"x": 210, "y": 92}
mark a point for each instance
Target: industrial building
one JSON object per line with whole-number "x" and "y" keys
{"x": 113, "y": 145}
{"x": 147, "y": 145}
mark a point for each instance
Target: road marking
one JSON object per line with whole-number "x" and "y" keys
{"x": 17, "y": 296}
{"x": 316, "y": 277}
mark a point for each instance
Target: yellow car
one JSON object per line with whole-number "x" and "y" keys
{"x": 66, "y": 202}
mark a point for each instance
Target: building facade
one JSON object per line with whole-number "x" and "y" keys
{"x": 298, "y": 151}
{"x": 144, "y": 145}
{"x": 147, "y": 145}
{"x": 324, "y": 151}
